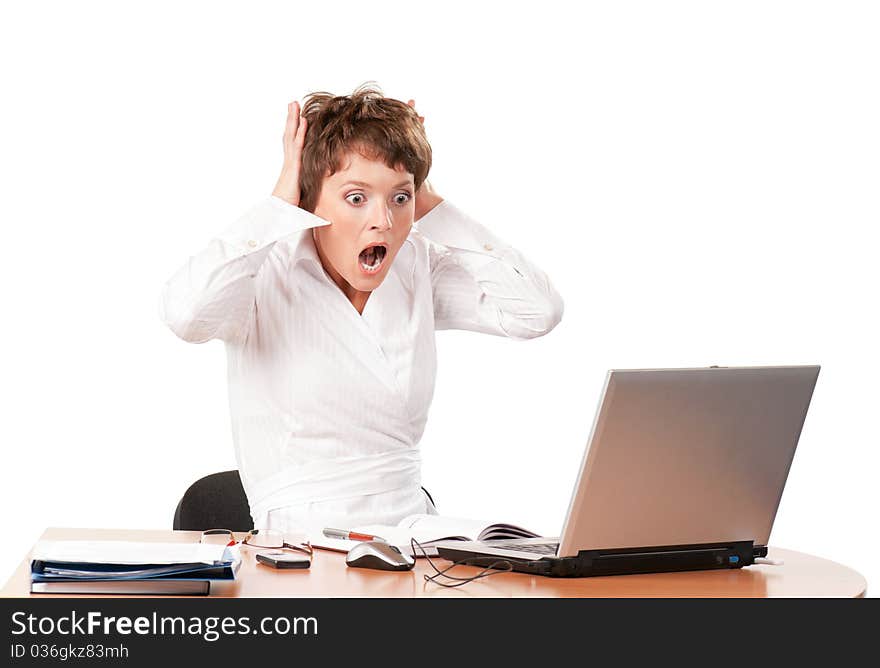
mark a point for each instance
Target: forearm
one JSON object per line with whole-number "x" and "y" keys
{"x": 481, "y": 283}
{"x": 212, "y": 294}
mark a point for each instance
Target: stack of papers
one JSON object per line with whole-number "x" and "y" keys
{"x": 128, "y": 567}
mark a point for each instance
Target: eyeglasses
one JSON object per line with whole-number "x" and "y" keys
{"x": 265, "y": 538}
{"x": 217, "y": 537}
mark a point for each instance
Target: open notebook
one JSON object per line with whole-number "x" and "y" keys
{"x": 427, "y": 530}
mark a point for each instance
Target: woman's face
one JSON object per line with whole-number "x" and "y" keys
{"x": 370, "y": 206}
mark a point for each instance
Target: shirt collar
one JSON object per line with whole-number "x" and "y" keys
{"x": 304, "y": 249}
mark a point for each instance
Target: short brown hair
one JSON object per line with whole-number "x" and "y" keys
{"x": 378, "y": 127}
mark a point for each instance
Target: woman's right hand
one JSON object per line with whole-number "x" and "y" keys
{"x": 287, "y": 187}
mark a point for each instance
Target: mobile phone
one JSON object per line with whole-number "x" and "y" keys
{"x": 284, "y": 559}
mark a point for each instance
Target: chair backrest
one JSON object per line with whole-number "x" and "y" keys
{"x": 216, "y": 501}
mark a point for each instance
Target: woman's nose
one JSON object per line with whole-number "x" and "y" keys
{"x": 382, "y": 217}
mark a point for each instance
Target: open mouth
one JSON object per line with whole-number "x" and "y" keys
{"x": 371, "y": 258}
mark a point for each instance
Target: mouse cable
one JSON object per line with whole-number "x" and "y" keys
{"x": 496, "y": 567}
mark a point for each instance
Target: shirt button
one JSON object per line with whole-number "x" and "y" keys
{"x": 488, "y": 247}
{"x": 252, "y": 243}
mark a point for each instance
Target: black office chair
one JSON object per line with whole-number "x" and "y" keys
{"x": 216, "y": 501}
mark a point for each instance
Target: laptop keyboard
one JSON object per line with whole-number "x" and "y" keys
{"x": 535, "y": 548}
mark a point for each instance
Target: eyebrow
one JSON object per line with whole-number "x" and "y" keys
{"x": 364, "y": 184}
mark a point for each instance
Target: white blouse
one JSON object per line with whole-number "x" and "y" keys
{"x": 328, "y": 405}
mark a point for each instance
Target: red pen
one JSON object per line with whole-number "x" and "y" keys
{"x": 350, "y": 535}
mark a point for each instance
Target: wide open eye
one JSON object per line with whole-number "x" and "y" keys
{"x": 355, "y": 198}
{"x": 402, "y": 198}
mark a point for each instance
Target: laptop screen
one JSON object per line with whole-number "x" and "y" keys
{"x": 687, "y": 456}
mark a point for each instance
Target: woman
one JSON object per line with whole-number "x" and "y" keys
{"x": 328, "y": 296}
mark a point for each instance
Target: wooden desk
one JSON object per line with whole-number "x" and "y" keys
{"x": 801, "y": 575}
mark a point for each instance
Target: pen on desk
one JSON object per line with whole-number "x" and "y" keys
{"x": 350, "y": 535}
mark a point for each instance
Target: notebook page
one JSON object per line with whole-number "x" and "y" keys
{"x": 426, "y": 528}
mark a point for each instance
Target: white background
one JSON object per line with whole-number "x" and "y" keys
{"x": 700, "y": 181}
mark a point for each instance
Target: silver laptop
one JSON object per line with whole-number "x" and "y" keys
{"x": 684, "y": 470}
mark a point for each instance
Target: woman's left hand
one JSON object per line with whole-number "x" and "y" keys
{"x": 412, "y": 103}
{"x": 426, "y": 198}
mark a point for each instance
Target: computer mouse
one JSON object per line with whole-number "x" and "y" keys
{"x": 378, "y": 555}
